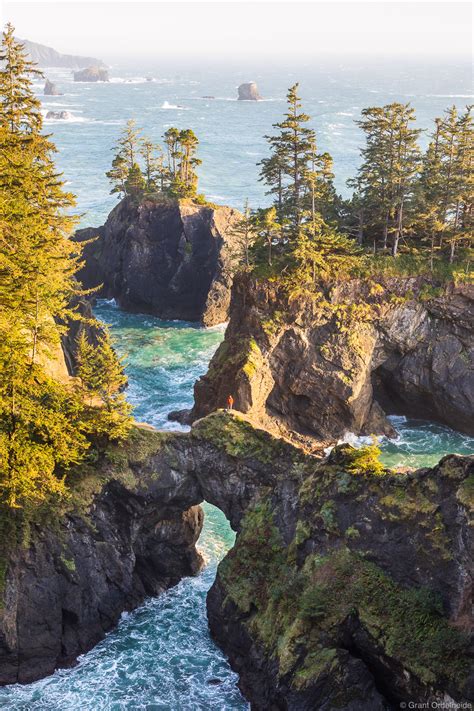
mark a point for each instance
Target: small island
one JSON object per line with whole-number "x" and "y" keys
{"x": 93, "y": 73}
{"x": 248, "y": 92}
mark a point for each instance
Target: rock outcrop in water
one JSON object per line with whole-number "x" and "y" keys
{"x": 340, "y": 362}
{"x": 344, "y": 589}
{"x": 166, "y": 257}
{"x": 59, "y": 115}
{"x": 50, "y": 89}
{"x": 248, "y": 92}
{"x": 93, "y": 73}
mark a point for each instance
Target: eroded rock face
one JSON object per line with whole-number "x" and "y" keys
{"x": 324, "y": 368}
{"x": 93, "y": 73}
{"x": 168, "y": 258}
{"x": 332, "y": 584}
{"x": 248, "y": 92}
{"x": 132, "y": 534}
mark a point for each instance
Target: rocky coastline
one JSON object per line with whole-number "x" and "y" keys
{"x": 304, "y": 525}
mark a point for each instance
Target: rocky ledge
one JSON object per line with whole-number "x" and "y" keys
{"x": 166, "y": 257}
{"x": 347, "y": 588}
{"x": 340, "y": 361}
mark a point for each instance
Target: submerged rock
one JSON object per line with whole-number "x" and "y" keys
{"x": 248, "y": 92}
{"x": 50, "y": 89}
{"x": 166, "y": 257}
{"x": 59, "y": 115}
{"x": 322, "y": 367}
{"x": 93, "y": 73}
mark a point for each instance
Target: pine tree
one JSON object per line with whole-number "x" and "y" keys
{"x": 182, "y": 161}
{"x": 135, "y": 183}
{"x": 243, "y": 237}
{"x": 125, "y": 164}
{"x": 102, "y": 380}
{"x": 154, "y": 170}
{"x": 42, "y": 432}
{"x": 118, "y": 175}
{"x": 387, "y": 177}
{"x": 291, "y": 152}
{"x": 267, "y": 229}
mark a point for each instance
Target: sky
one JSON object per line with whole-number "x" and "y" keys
{"x": 112, "y": 30}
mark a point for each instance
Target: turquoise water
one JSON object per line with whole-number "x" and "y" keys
{"x": 161, "y": 656}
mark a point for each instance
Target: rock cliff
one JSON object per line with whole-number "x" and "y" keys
{"x": 343, "y": 360}
{"x": 331, "y": 597}
{"x": 166, "y": 257}
{"x": 346, "y": 588}
{"x": 128, "y": 532}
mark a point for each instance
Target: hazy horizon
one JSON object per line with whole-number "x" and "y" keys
{"x": 244, "y": 32}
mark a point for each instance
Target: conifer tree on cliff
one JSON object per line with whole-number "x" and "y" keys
{"x": 447, "y": 184}
{"x": 125, "y": 165}
{"x": 41, "y": 431}
{"x": 387, "y": 176}
{"x": 296, "y": 174}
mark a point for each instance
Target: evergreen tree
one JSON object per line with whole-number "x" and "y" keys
{"x": 126, "y": 172}
{"x": 267, "y": 229}
{"x": 291, "y": 153}
{"x": 154, "y": 170}
{"x": 387, "y": 176}
{"x": 135, "y": 183}
{"x": 243, "y": 237}
{"x": 41, "y": 427}
{"x": 102, "y": 380}
{"x": 446, "y": 183}
{"x": 182, "y": 161}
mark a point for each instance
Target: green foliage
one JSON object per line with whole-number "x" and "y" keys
{"x": 102, "y": 379}
{"x": 138, "y": 167}
{"x": 238, "y": 437}
{"x": 366, "y": 460}
{"x": 43, "y": 421}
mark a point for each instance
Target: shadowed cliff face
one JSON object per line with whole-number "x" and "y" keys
{"x": 340, "y": 362}
{"x": 167, "y": 258}
{"x": 330, "y": 571}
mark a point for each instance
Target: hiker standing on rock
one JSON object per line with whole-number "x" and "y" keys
{"x": 230, "y": 402}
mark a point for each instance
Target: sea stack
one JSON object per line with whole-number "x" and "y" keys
{"x": 170, "y": 258}
{"x": 50, "y": 89}
{"x": 248, "y": 92}
{"x": 93, "y": 73}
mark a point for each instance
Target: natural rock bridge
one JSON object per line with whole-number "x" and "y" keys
{"x": 303, "y": 523}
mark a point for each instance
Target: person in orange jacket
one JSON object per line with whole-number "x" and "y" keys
{"x": 230, "y": 402}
